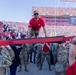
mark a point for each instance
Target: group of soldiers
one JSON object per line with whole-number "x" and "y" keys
{"x": 27, "y": 52}
{"x": 56, "y": 55}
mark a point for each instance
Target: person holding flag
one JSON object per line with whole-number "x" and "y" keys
{"x": 71, "y": 70}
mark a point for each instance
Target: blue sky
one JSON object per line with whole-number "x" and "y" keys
{"x": 21, "y": 10}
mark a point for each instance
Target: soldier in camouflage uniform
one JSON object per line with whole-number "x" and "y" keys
{"x": 53, "y": 48}
{"x": 45, "y": 54}
{"x": 61, "y": 60}
{"x": 67, "y": 46}
{"x": 5, "y": 59}
{"x": 23, "y": 56}
{"x": 71, "y": 70}
{"x": 30, "y": 53}
{"x": 38, "y": 50}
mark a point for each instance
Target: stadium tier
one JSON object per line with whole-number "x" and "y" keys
{"x": 51, "y": 30}
{"x": 16, "y": 25}
{"x": 55, "y": 11}
{"x": 59, "y": 21}
{"x": 57, "y": 16}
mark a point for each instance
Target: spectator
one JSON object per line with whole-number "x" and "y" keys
{"x": 71, "y": 70}
{"x": 45, "y": 54}
{"x": 60, "y": 66}
{"x": 35, "y": 24}
{"x": 16, "y": 61}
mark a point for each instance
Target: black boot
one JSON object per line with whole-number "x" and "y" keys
{"x": 50, "y": 68}
{"x": 40, "y": 68}
{"x": 26, "y": 69}
{"x": 20, "y": 69}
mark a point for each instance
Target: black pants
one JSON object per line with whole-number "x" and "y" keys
{"x": 34, "y": 57}
{"x": 29, "y": 56}
{"x": 13, "y": 70}
{"x": 51, "y": 58}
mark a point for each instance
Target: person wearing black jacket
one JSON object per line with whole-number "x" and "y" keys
{"x": 16, "y": 61}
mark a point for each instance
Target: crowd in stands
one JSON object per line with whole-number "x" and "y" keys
{"x": 55, "y": 11}
{"x": 9, "y": 31}
{"x": 60, "y": 30}
{"x": 12, "y": 29}
{"x": 18, "y": 55}
{"x": 56, "y": 54}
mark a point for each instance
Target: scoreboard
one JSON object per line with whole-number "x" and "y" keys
{"x": 73, "y": 20}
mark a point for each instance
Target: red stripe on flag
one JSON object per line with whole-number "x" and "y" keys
{"x": 35, "y": 40}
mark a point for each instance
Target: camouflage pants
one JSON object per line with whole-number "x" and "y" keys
{"x": 33, "y": 33}
{"x": 29, "y": 56}
{"x": 47, "y": 56}
{"x": 23, "y": 58}
{"x": 38, "y": 59}
{"x": 60, "y": 73}
{"x": 2, "y": 71}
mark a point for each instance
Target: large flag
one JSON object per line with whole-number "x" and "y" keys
{"x": 68, "y": 0}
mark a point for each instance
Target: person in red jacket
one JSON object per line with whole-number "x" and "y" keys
{"x": 35, "y": 25}
{"x": 45, "y": 54}
{"x": 71, "y": 70}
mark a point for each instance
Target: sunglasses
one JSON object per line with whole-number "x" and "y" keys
{"x": 36, "y": 14}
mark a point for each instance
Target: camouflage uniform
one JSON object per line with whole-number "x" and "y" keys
{"x": 47, "y": 56}
{"x": 62, "y": 59}
{"x": 5, "y": 60}
{"x": 23, "y": 55}
{"x": 30, "y": 53}
{"x": 54, "y": 52}
{"x": 38, "y": 49}
{"x": 33, "y": 33}
{"x": 67, "y": 46}
{"x": 11, "y": 52}
{"x": 2, "y": 71}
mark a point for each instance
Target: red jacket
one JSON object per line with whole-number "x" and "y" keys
{"x": 71, "y": 70}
